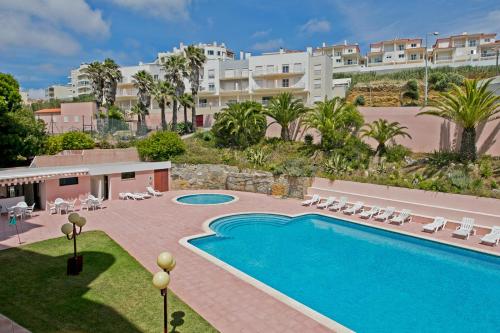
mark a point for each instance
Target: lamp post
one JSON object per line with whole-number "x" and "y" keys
{"x": 75, "y": 264}
{"x": 426, "y": 67}
{"x": 161, "y": 280}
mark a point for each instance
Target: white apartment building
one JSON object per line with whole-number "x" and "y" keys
{"x": 409, "y": 51}
{"x": 80, "y": 81}
{"x": 213, "y": 51}
{"x": 59, "y": 92}
{"x": 465, "y": 49}
{"x": 343, "y": 55}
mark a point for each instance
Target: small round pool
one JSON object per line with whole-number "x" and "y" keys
{"x": 205, "y": 199}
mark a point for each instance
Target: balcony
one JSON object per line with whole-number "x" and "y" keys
{"x": 277, "y": 71}
{"x": 207, "y": 91}
{"x": 270, "y": 87}
{"x": 126, "y": 93}
{"x": 236, "y": 75}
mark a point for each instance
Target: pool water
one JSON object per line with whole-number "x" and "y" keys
{"x": 366, "y": 279}
{"x": 205, "y": 199}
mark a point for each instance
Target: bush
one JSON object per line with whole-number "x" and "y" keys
{"x": 485, "y": 167}
{"x": 256, "y": 156}
{"x": 396, "y": 153}
{"x": 184, "y": 128}
{"x": 441, "y": 159}
{"x": 76, "y": 141}
{"x": 298, "y": 167}
{"x": 161, "y": 146}
{"x": 308, "y": 139}
{"x": 53, "y": 145}
{"x": 335, "y": 165}
{"x": 359, "y": 100}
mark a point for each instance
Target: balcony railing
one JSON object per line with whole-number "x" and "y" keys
{"x": 126, "y": 92}
{"x": 237, "y": 74}
{"x": 209, "y": 89}
{"x": 300, "y": 85}
{"x": 278, "y": 70}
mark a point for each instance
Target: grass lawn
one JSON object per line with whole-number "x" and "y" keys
{"x": 114, "y": 292}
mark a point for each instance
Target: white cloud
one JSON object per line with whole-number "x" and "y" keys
{"x": 172, "y": 10}
{"x": 262, "y": 33}
{"x": 46, "y": 24}
{"x": 271, "y": 44}
{"x": 315, "y": 25}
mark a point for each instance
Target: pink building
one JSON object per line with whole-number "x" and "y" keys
{"x": 69, "y": 117}
{"x": 76, "y": 174}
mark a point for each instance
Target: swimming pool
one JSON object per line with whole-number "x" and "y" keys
{"x": 205, "y": 199}
{"x": 366, "y": 279}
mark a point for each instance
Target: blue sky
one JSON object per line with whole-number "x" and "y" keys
{"x": 41, "y": 40}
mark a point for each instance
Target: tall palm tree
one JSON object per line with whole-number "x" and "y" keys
{"x": 382, "y": 131}
{"x": 467, "y": 106}
{"x": 335, "y": 120}
{"x": 112, "y": 75}
{"x": 240, "y": 124}
{"x": 175, "y": 72}
{"x": 186, "y": 101}
{"x": 195, "y": 60}
{"x": 143, "y": 82}
{"x": 95, "y": 72}
{"x": 161, "y": 92}
{"x": 284, "y": 109}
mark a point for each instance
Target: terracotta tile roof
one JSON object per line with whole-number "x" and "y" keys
{"x": 44, "y": 111}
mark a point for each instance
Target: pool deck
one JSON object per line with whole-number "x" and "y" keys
{"x": 146, "y": 228}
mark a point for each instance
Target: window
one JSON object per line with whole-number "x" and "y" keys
{"x": 76, "y": 119}
{"x": 413, "y": 57}
{"x": 317, "y": 84}
{"x": 401, "y": 56}
{"x": 349, "y": 51}
{"x": 65, "y": 119}
{"x": 350, "y": 62}
{"x": 472, "y": 43}
{"x": 413, "y": 44}
{"x": 401, "y": 47}
{"x": 316, "y": 99}
{"x": 338, "y": 61}
{"x": 317, "y": 69}
{"x": 210, "y": 52}
{"x": 211, "y": 73}
{"x": 388, "y": 57}
{"x": 155, "y": 77}
{"x": 265, "y": 100}
{"x": 285, "y": 69}
{"x": 128, "y": 175}
{"x": 338, "y": 53}
{"x": 218, "y": 53}
{"x": 487, "y": 40}
{"x": 472, "y": 51}
{"x": 211, "y": 87}
{"x": 285, "y": 83}
{"x": 68, "y": 181}
{"x": 203, "y": 102}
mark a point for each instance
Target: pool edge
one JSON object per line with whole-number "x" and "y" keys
{"x": 174, "y": 199}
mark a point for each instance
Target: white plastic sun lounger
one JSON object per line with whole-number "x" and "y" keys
{"x": 438, "y": 223}
{"x": 122, "y": 196}
{"x": 314, "y": 200}
{"x": 386, "y": 214}
{"x": 339, "y": 205}
{"x": 329, "y": 201}
{"x": 134, "y": 196}
{"x": 404, "y": 216}
{"x": 466, "y": 228}
{"x": 358, "y": 206}
{"x": 493, "y": 238}
{"x": 368, "y": 213}
{"x": 153, "y": 192}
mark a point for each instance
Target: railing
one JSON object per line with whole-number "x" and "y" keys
{"x": 299, "y": 85}
{"x": 126, "y": 92}
{"x": 237, "y": 74}
{"x": 278, "y": 70}
{"x": 209, "y": 89}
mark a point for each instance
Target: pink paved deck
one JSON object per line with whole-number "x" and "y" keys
{"x": 145, "y": 228}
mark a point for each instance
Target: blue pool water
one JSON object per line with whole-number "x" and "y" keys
{"x": 205, "y": 199}
{"x": 366, "y": 279}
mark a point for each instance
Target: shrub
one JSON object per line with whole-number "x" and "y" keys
{"x": 396, "y": 153}
{"x": 298, "y": 167}
{"x": 359, "y": 100}
{"x": 76, "y": 141}
{"x": 336, "y": 164}
{"x": 256, "y": 156}
{"x": 53, "y": 145}
{"x": 441, "y": 159}
{"x": 459, "y": 179}
{"x": 184, "y": 128}
{"x": 161, "y": 146}
{"x": 485, "y": 167}
{"x": 104, "y": 144}
{"x": 308, "y": 139}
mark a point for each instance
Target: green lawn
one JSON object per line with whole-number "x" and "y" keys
{"x": 114, "y": 292}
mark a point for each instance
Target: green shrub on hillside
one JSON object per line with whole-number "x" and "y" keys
{"x": 76, "y": 141}
{"x": 53, "y": 145}
{"x": 396, "y": 153}
{"x": 359, "y": 100}
{"x": 160, "y": 146}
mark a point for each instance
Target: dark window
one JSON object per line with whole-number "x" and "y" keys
{"x": 68, "y": 181}
{"x": 128, "y": 175}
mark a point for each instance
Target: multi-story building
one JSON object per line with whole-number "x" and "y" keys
{"x": 344, "y": 56}
{"x": 80, "y": 81}
{"x": 59, "y": 92}
{"x": 464, "y": 49}
{"x": 213, "y": 51}
{"x": 400, "y": 51}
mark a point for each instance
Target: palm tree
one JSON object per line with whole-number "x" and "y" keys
{"x": 467, "y": 106}
{"x": 95, "y": 71}
{"x": 284, "y": 109}
{"x": 143, "y": 82}
{"x": 335, "y": 120}
{"x": 195, "y": 59}
{"x": 382, "y": 131}
{"x": 161, "y": 92}
{"x": 186, "y": 101}
{"x": 240, "y": 124}
{"x": 112, "y": 75}
{"x": 176, "y": 70}
{"x": 139, "y": 111}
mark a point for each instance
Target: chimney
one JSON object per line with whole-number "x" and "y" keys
{"x": 345, "y": 41}
{"x": 309, "y": 50}
{"x": 324, "y": 44}
{"x": 242, "y": 55}
{"x": 282, "y": 50}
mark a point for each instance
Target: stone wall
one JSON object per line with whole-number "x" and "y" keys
{"x": 225, "y": 177}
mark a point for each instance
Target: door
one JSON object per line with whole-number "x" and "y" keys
{"x": 106, "y": 188}
{"x": 161, "y": 180}
{"x": 199, "y": 120}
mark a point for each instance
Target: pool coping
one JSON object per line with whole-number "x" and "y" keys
{"x": 235, "y": 199}
{"x": 304, "y": 309}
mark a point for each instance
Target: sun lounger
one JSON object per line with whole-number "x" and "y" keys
{"x": 339, "y": 205}
{"x": 493, "y": 238}
{"x": 465, "y": 229}
{"x": 358, "y": 206}
{"x": 329, "y": 201}
{"x": 314, "y": 200}
{"x": 386, "y": 214}
{"x": 438, "y": 223}
{"x": 368, "y": 213}
{"x": 144, "y": 195}
{"x": 134, "y": 196}
{"x": 153, "y": 192}
{"x": 404, "y": 216}
{"x": 122, "y": 196}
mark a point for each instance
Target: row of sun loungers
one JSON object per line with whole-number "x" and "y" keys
{"x": 388, "y": 214}
{"x": 151, "y": 192}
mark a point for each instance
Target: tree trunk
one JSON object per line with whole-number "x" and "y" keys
{"x": 284, "y": 133}
{"x": 468, "y": 144}
{"x": 163, "y": 119}
{"x": 193, "y": 115}
{"x": 185, "y": 116}
{"x": 174, "y": 115}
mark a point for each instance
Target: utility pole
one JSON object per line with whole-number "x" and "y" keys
{"x": 426, "y": 66}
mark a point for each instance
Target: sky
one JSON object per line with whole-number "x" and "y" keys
{"x": 42, "y": 40}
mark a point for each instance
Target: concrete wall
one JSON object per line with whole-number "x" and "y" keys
{"x": 90, "y": 156}
{"x": 52, "y": 190}
{"x": 138, "y": 184}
